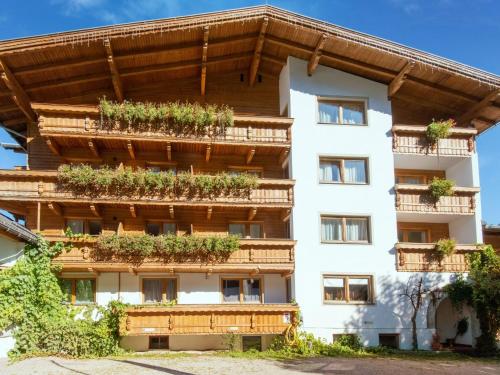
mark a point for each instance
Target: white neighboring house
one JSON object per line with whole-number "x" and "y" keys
{"x": 13, "y": 237}
{"x": 345, "y": 219}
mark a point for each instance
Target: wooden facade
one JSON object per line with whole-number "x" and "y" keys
{"x": 209, "y": 319}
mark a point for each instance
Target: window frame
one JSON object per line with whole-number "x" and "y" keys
{"x": 163, "y": 287}
{"x": 247, "y": 229}
{"x": 86, "y": 225}
{"x": 240, "y": 279}
{"x": 342, "y": 160}
{"x": 339, "y": 99}
{"x": 73, "y": 290}
{"x": 343, "y": 219}
{"x": 259, "y": 171}
{"x": 345, "y": 277}
{"x": 166, "y": 337}
{"x": 161, "y": 223}
{"x": 405, "y": 231}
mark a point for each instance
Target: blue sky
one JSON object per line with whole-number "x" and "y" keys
{"x": 463, "y": 30}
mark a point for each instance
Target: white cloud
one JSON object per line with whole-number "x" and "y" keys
{"x": 408, "y": 6}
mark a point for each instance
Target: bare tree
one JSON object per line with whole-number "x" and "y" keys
{"x": 415, "y": 292}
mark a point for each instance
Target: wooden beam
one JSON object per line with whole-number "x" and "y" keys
{"x": 250, "y": 155}
{"x": 115, "y": 75}
{"x": 168, "y": 149}
{"x": 254, "y": 66}
{"x": 130, "y": 149}
{"x": 283, "y": 159}
{"x": 94, "y": 208}
{"x": 38, "y": 216}
{"x": 55, "y": 208}
{"x": 252, "y": 212}
{"x": 171, "y": 212}
{"x": 475, "y": 109}
{"x": 398, "y": 81}
{"x": 285, "y": 214}
{"x": 94, "y": 271}
{"x": 93, "y": 148}
{"x": 204, "y": 60}
{"x": 58, "y": 83}
{"x": 17, "y": 93}
{"x": 54, "y": 147}
{"x": 318, "y": 51}
{"x": 209, "y": 212}
{"x": 133, "y": 211}
{"x": 208, "y": 152}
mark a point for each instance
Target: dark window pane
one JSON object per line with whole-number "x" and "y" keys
{"x": 171, "y": 291}
{"x": 85, "y": 291}
{"x": 231, "y": 290}
{"x": 417, "y": 236}
{"x": 76, "y": 226}
{"x": 237, "y": 229}
{"x": 251, "y": 290}
{"x": 353, "y": 113}
{"x": 152, "y": 290}
{"x": 255, "y": 231}
{"x": 334, "y": 289}
{"x": 158, "y": 342}
{"x": 169, "y": 228}
{"x": 252, "y": 342}
{"x": 95, "y": 228}
{"x": 153, "y": 229}
{"x": 67, "y": 289}
{"x": 328, "y": 112}
{"x": 358, "y": 289}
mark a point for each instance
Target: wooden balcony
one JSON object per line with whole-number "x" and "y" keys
{"x": 254, "y": 256}
{"x": 421, "y": 257}
{"x": 41, "y": 186}
{"x": 208, "y": 319}
{"x": 68, "y": 126}
{"x": 417, "y": 199}
{"x": 411, "y": 139}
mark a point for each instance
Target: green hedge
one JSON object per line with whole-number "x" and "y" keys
{"x": 85, "y": 180}
{"x": 136, "y": 248}
{"x": 175, "y": 117}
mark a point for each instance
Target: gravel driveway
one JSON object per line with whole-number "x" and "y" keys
{"x": 223, "y": 365}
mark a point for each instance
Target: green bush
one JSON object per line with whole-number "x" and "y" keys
{"x": 84, "y": 180}
{"x": 180, "y": 118}
{"x": 437, "y": 130}
{"x": 445, "y": 247}
{"x": 441, "y": 187}
{"x": 350, "y": 341}
{"x": 136, "y": 248}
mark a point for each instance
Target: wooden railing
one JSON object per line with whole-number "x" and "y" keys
{"x": 422, "y": 257}
{"x": 208, "y": 319}
{"x": 60, "y": 120}
{"x": 260, "y": 255}
{"x": 417, "y": 198}
{"x": 411, "y": 139}
{"x": 42, "y": 186}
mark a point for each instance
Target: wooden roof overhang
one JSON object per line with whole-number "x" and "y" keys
{"x": 122, "y": 61}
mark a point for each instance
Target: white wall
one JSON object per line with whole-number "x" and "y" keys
{"x": 390, "y": 313}
{"x": 10, "y": 251}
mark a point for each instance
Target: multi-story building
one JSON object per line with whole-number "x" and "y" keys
{"x": 333, "y": 123}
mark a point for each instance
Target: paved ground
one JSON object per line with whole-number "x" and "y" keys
{"x": 207, "y": 365}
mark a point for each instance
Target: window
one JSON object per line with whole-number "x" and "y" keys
{"x": 342, "y": 112}
{"x": 158, "y": 342}
{"x": 78, "y": 291}
{"x": 389, "y": 340}
{"x": 251, "y": 342}
{"x": 156, "y": 168}
{"x": 347, "y": 171}
{"x": 82, "y": 226}
{"x": 241, "y": 290}
{"x": 155, "y": 228}
{"x": 350, "y": 289}
{"x": 159, "y": 290}
{"x": 237, "y": 170}
{"x": 246, "y": 230}
{"x": 345, "y": 229}
{"x": 413, "y": 180}
{"x": 288, "y": 285}
{"x": 413, "y": 235}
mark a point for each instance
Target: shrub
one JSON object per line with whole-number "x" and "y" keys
{"x": 445, "y": 247}
{"x": 441, "y": 187}
{"x": 437, "y": 130}
{"x": 350, "y": 341}
{"x": 181, "y": 118}
{"x": 85, "y": 180}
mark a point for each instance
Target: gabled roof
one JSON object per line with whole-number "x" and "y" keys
{"x": 80, "y": 66}
{"x": 14, "y": 229}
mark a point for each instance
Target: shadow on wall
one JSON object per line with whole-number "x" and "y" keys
{"x": 391, "y": 313}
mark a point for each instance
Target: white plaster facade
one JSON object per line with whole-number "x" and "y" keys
{"x": 389, "y": 313}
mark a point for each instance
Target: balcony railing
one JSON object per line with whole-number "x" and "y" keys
{"x": 411, "y": 139}
{"x": 70, "y": 120}
{"x": 41, "y": 186}
{"x": 260, "y": 255}
{"x": 208, "y": 319}
{"x": 422, "y": 257}
{"x": 417, "y": 198}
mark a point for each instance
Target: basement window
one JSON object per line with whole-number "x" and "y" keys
{"x": 252, "y": 343}
{"x": 158, "y": 342}
{"x": 389, "y": 340}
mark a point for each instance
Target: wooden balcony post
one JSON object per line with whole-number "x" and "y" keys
{"x": 249, "y": 132}
{"x": 252, "y": 321}
{"x": 394, "y": 141}
{"x": 38, "y": 216}
{"x": 212, "y": 321}
{"x": 471, "y": 144}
